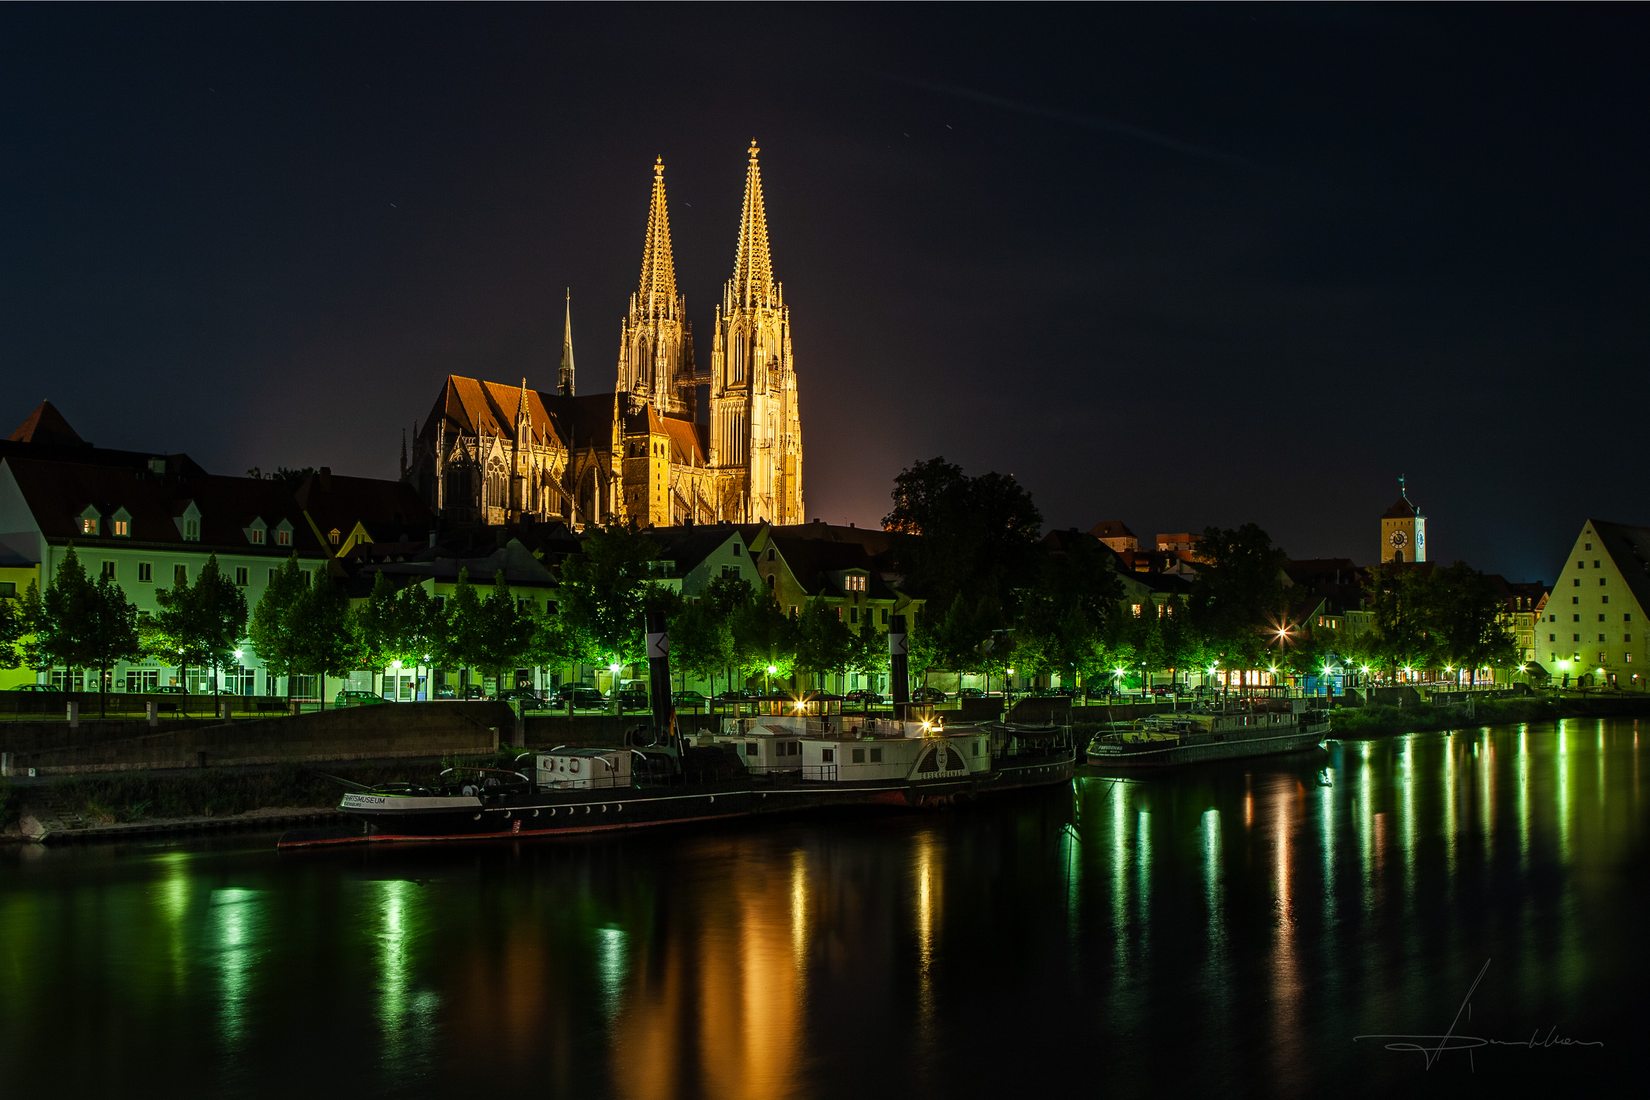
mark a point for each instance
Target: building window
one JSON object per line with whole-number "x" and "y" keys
{"x": 88, "y": 525}
{"x": 240, "y": 575}
{"x": 123, "y": 528}
{"x": 1601, "y": 616}
{"x": 283, "y": 537}
{"x": 1575, "y": 618}
{"x": 1601, "y": 581}
{"x": 334, "y": 536}
{"x": 885, "y": 616}
{"x": 1576, "y": 638}
{"x": 109, "y": 571}
{"x": 770, "y": 553}
{"x": 1575, "y": 582}
{"x": 1574, "y": 600}
{"x": 1581, "y": 565}
{"x": 1134, "y": 609}
{"x": 257, "y": 536}
{"x": 192, "y": 530}
{"x": 180, "y": 575}
{"x": 1626, "y": 616}
{"x": 1586, "y": 546}
{"x": 1552, "y": 638}
{"x": 1601, "y": 656}
{"x": 1604, "y": 599}
{"x": 1595, "y": 563}
{"x": 271, "y": 577}
{"x": 853, "y": 615}
{"x": 736, "y": 549}
{"x": 146, "y": 572}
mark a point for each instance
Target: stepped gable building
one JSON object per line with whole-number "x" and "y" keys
{"x": 499, "y": 453}
{"x": 1403, "y": 530}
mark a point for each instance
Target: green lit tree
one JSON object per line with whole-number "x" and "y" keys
{"x": 276, "y": 627}
{"x": 67, "y": 619}
{"x": 200, "y": 623}
{"x": 113, "y": 635}
{"x": 823, "y": 642}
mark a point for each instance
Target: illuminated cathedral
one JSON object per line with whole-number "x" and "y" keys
{"x": 498, "y": 453}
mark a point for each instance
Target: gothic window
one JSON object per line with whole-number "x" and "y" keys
{"x": 497, "y": 486}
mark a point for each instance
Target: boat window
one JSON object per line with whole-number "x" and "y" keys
{"x": 859, "y": 756}
{"x": 573, "y": 767}
{"x": 750, "y": 748}
{"x": 828, "y": 756}
{"x": 876, "y": 756}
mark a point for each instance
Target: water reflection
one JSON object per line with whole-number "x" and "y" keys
{"x": 1201, "y": 931}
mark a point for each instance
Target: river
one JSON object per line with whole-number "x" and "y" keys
{"x": 1251, "y": 927}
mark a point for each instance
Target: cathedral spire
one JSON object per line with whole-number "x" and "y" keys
{"x": 565, "y": 383}
{"x": 656, "y": 294}
{"x": 752, "y": 266}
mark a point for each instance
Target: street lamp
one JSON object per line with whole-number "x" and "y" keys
{"x": 613, "y": 685}
{"x": 767, "y": 681}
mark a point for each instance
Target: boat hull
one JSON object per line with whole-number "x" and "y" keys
{"x": 1150, "y": 755}
{"x": 386, "y": 818}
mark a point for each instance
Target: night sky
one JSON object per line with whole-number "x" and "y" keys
{"x": 1178, "y": 266}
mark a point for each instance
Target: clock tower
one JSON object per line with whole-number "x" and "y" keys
{"x": 1403, "y": 530}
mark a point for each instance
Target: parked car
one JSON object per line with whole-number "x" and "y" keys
{"x": 927, "y": 695}
{"x": 1102, "y": 691}
{"x": 170, "y": 689}
{"x": 348, "y": 698}
{"x": 863, "y": 698}
{"x": 527, "y": 697}
{"x": 449, "y": 691}
{"x": 581, "y": 697}
{"x": 970, "y": 693}
{"x": 32, "y": 687}
{"x": 630, "y": 698}
{"x": 732, "y": 696}
{"x": 688, "y": 699}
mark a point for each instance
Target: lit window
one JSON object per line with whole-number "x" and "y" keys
{"x": 88, "y": 525}
{"x": 123, "y": 528}
{"x": 334, "y": 536}
{"x": 1135, "y": 608}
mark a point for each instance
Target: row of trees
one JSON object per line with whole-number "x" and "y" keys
{"x": 996, "y": 597}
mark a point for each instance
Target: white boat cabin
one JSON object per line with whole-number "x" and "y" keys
{"x": 856, "y": 748}
{"x": 576, "y": 769}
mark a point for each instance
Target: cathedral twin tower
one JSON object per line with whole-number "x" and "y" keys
{"x": 494, "y": 453}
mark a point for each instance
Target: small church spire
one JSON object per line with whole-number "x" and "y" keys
{"x": 565, "y": 383}
{"x": 656, "y": 293}
{"x": 752, "y": 282}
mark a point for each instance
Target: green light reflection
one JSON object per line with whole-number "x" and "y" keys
{"x": 236, "y": 914}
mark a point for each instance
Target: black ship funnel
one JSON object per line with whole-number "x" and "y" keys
{"x": 658, "y": 679}
{"x": 899, "y": 669}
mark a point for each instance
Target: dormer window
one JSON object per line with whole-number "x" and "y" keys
{"x": 188, "y": 521}
{"x": 255, "y": 531}
{"x": 334, "y": 536}
{"x": 257, "y": 535}
{"x": 121, "y": 525}
{"x": 283, "y": 534}
{"x": 88, "y": 525}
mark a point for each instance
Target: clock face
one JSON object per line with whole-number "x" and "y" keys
{"x": 1399, "y": 539}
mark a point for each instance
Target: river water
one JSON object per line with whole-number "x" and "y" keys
{"x": 1257, "y": 927}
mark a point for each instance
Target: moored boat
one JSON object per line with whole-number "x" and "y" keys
{"x": 1197, "y": 736}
